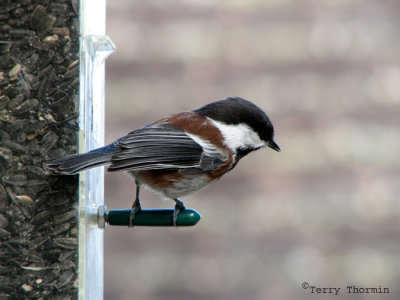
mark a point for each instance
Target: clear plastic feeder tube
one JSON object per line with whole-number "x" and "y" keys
{"x": 95, "y": 46}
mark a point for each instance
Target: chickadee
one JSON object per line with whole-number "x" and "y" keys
{"x": 181, "y": 154}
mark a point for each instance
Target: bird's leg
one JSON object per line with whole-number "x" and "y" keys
{"x": 136, "y": 206}
{"x": 179, "y": 206}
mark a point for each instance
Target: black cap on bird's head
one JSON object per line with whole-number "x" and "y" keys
{"x": 236, "y": 111}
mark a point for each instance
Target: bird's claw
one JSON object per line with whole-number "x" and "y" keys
{"x": 179, "y": 206}
{"x": 132, "y": 214}
{"x": 136, "y": 207}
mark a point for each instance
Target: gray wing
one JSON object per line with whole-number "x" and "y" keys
{"x": 162, "y": 146}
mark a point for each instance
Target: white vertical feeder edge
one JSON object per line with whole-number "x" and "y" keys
{"x": 95, "y": 46}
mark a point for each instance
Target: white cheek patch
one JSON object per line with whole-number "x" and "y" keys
{"x": 239, "y": 136}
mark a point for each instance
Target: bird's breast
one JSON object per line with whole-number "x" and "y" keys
{"x": 172, "y": 183}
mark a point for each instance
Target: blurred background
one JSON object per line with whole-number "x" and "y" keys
{"x": 323, "y": 211}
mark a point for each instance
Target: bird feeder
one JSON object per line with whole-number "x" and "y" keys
{"x": 52, "y": 58}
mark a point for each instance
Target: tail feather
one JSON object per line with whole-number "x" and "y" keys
{"x": 76, "y": 163}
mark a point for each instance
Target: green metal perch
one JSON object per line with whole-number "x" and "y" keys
{"x": 149, "y": 217}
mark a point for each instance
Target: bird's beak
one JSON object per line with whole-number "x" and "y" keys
{"x": 274, "y": 146}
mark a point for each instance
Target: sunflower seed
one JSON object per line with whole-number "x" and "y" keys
{"x": 39, "y": 84}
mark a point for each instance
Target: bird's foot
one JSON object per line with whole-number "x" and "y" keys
{"x": 132, "y": 214}
{"x": 179, "y": 206}
{"x": 136, "y": 207}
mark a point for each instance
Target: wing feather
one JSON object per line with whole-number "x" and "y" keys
{"x": 162, "y": 146}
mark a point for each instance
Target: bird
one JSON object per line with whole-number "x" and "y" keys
{"x": 182, "y": 153}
